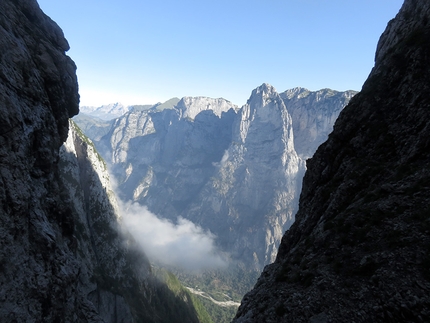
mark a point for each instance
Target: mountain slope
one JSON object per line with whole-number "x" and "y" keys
{"x": 38, "y": 94}
{"x": 209, "y": 162}
{"x": 358, "y": 250}
{"x": 114, "y": 276}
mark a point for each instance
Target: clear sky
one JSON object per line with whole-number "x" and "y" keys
{"x": 144, "y": 52}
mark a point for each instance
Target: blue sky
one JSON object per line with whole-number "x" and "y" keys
{"x": 143, "y": 52}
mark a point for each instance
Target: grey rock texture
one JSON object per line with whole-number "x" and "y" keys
{"x": 251, "y": 198}
{"x": 38, "y": 94}
{"x": 162, "y": 159}
{"x": 359, "y": 249}
{"x": 232, "y": 171}
{"x": 63, "y": 257}
{"x": 313, "y": 114}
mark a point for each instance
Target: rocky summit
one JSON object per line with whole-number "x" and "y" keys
{"x": 359, "y": 248}
{"x": 64, "y": 256}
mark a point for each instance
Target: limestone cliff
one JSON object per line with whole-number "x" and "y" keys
{"x": 313, "y": 114}
{"x": 232, "y": 171}
{"x": 359, "y": 249}
{"x": 63, "y": 256}
{"x": 114, "y": 277}
{"x": 251, "y": 198}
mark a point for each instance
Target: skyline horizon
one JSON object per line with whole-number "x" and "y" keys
{"x": 137, "y": 52}
{"x": 185, "y": 96}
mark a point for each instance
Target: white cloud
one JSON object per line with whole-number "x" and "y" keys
{"x": 183, "y": 244}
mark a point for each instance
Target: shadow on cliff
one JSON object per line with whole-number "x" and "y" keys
{"x": 120, "y": 278}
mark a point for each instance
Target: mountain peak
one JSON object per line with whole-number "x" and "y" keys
{"x": 264, "y": 91}
{"x": 264, "y": 96}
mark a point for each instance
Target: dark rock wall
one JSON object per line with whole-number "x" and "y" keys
{"x": 38, "y": 93}
{"x": 359, "y": 248}
{"x": 63, "y": 257}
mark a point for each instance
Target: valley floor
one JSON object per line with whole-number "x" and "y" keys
{"x": 205, "y": 295}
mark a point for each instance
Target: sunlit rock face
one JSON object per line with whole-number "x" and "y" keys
{"x": 100, "y": 252}
{"x": 63, "y": 255}
{"x": 251, "y": 197}
{"x": 359, "y": 248}
{"x": 163, "y": 158}
{"x": 313, "y": 114}
{"x": 233, "y": 171}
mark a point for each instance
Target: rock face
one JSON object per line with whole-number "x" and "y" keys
{"x": 313, "y": 115}
{"x": 359, "y": 249}
{"x": 233, "y": 171}
{"x": 63, "y": 257}
{"x": 251, "y": 197}
{"x": 38, "y": 94}
{"x": 114, "y": 277}
{"x": 163, "y": 158}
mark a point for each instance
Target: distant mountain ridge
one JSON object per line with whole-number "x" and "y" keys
{"x": 115, "y": 110}
{"x": 231, "y": 170}
{"x": 105, "y": 112}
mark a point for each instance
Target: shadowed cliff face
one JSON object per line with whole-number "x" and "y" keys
{"x": 38, "y": 93}
{"x": 36, "y": 75}
{"x": 359, "y": 248}
{"x": 62, "y": 255}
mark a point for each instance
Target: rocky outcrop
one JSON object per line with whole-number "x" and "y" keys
{"x": 190, "y": 107}
{"x": 359, "y": 248}
{"x": 63, "y": 257}
{"x": 218, "y": 166}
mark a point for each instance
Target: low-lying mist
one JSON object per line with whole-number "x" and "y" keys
{"x": 182, "y": 244}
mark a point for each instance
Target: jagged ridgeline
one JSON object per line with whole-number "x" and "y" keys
{"x": 359, "y": 248}
{"x": 64, "y": 256}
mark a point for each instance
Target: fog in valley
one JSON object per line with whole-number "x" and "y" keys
{"x": 182, "y": 244}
